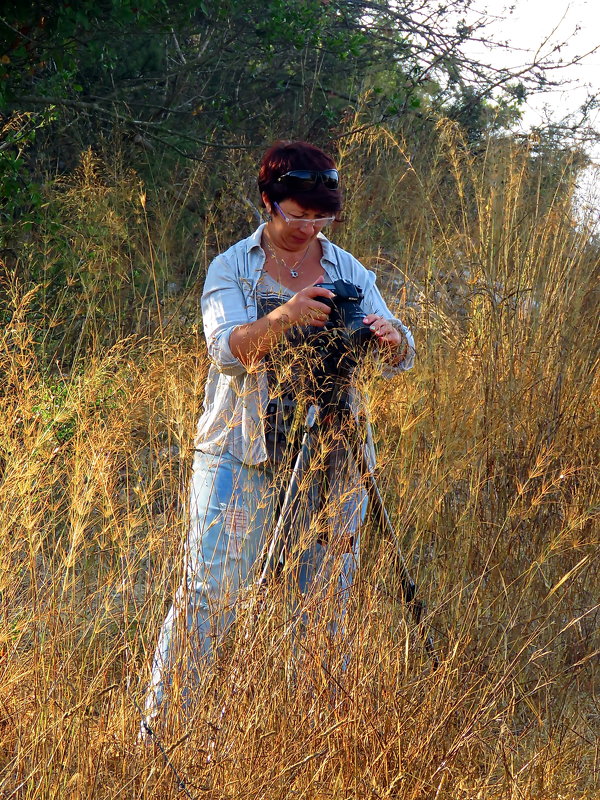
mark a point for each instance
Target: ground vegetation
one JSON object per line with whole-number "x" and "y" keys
{"x": 117, "y": 192}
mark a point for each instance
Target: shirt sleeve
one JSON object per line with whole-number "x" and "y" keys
{"x": 373, "y": 303}
{"x": 224, "y": 308}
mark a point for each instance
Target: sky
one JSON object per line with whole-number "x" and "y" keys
{"x": 539, "y": 25}
{"x": 535, "y": 24}
{"x": 542, "y": 24}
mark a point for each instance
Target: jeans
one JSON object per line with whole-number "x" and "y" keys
{"x": 232, "y": 510}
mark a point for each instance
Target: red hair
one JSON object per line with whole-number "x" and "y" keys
{"x": 285, "y": 156}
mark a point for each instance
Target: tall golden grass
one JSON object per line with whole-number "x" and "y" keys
{"x": 487, "y": 459}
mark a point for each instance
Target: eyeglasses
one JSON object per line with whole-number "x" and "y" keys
{"x": 299, "y": 222}
{"x": 306, "y": 179}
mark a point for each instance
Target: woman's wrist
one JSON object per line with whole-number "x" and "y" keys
{"x": 399, "y": 351}
{"x": 279, "y": 320}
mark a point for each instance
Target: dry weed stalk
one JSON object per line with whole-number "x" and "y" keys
{"x": 488, "y": 456}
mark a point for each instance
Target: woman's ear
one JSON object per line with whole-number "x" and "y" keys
{"x": 266, "y": 202}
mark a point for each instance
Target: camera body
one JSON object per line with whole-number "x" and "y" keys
{"x": 347, "y": 314}
{"x": 341, "y": 344}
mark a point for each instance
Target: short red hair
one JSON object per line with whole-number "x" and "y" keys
{"x": 285, "y": 156}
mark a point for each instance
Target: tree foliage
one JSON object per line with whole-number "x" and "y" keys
{"x": 214, "y": 81}
{"x": 186, "y": 72}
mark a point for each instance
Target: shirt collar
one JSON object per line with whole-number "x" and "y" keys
{"x": 254, "y": 239}
{"x": 328, "y": 254}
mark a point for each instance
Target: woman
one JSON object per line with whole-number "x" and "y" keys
{"x": 261, "y": 304}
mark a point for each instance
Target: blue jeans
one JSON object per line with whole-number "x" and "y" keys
{"x": 232, "y": 510}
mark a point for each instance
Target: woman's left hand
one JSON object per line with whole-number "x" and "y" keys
{"x": 383, "y": 329}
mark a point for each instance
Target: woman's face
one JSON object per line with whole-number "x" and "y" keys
{"x": 292, "y": 224}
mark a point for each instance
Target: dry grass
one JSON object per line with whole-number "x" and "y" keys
{"x": 488, "y": 460}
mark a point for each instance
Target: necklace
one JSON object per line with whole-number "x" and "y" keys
{"x": 293, "y": 270}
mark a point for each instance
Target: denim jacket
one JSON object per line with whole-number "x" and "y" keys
{"x": 236, "y": 396}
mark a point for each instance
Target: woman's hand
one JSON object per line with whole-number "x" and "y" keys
{"x": 383, "y": 329}
{"x": 250, "y": 342}
{"x": 388, "y": 337}
{"x": 304, "y": 307}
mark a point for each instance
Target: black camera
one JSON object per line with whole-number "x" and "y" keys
{"x": 341, "y": 344}
{"x": 346, "y": 315}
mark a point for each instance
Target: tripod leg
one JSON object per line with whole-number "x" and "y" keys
{"x": 377, "y": 507}
{"x": 282, "y": 530}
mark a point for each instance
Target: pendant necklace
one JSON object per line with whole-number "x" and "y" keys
{"x": 293, "y": 270}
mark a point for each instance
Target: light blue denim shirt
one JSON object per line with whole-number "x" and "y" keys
{"x": 236, "y": 397}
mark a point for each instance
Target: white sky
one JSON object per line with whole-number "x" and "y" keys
{"x": 535, "y": 24}
{"x": 539, "y": 25}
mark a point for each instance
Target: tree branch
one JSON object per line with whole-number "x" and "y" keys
{"x": 82, "y": 105}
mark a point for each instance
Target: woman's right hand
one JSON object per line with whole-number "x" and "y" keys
{"x": 251, "y": 341}
{"x": 304, "y": 307}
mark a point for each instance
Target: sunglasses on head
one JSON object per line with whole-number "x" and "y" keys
{"x": 306, "y": 179}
